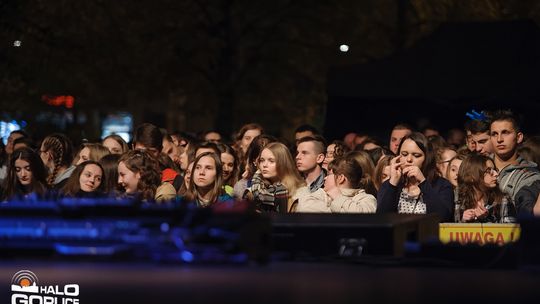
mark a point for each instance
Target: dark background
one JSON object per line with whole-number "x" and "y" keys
{"x": 198, "y": 65}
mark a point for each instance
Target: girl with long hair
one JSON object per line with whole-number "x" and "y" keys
{"x": 414, "y": 185}
{"x": 116, "y": 144}
{"x": 91, "y": 151}
{"x": 56, "y": 152}
{"x": 139, "y": 176}
{"x": 26, "y": 176}
{"x": 87, "y": 181}
{"x": 480, "y": 198}
{"x": 229, "y": 160}
{"x": 206, "y": 182}
{"x": 277, "y": 185}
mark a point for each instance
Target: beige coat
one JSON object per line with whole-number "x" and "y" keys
{"x": 165, "y": 192}
{"x": 350, "y": 201}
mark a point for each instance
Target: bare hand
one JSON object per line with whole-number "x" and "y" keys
{"x": 414, "y": 172}
{"x": 469, "y": 215}
{"x": 395, "y": 170}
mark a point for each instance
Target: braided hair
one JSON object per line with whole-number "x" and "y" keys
{"x": 61, "y": 150}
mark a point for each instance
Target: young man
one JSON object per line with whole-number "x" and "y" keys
{"x": 398, "y": 132}
{"x": 309, "y": 159}
{"x": 514, "y": 171}
{"x": 478, "y": 137}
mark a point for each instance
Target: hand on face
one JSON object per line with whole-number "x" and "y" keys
{"x": 414, "y": 172}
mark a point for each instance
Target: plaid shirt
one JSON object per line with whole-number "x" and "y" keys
{"x": 318, "y": 183}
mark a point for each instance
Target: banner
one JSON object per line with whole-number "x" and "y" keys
{"x": 479, "y": 233}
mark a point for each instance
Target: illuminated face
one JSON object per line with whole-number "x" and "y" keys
{"x": 446, "y": 156}
{"x": 248, "y": 137}
{"x": 329, "y": 181}
{"x": 113, "y": 146}
{"x": 453, "y": 171}
{"x": 187, "y": 175}
{"x": 490, "y": 175}
{"x": 23, "y": 172}
{"x": 267, "y": 165}
{"x": 411, "y": 154}
{"x": 395, "y": 139}
{"x": 204, "y": 173}
{"x": 228, "y": 165}
{"x": 330, "y": 150}
{"x": 84, "y": 155}
{"x": 482, "y": 143}
{"x": 306, "y": 157}
{"x": 171, "y": 150}
{"x": 504, "y": 138}
{"x": 90, "y": 178}
{"x": 127, "y": 178}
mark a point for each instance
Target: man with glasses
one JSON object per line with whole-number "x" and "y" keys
{"x": 514, "y": 171}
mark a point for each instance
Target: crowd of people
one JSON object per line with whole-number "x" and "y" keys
{"x": 485, "y": 173}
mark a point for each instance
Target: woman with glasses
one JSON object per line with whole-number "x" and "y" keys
{"x": 414, "y": 186}
{"x": 480, "y": 199}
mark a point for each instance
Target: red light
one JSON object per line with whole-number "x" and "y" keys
{"x": 64, "y": 100}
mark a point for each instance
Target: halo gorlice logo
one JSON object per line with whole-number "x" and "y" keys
{"x": 26, "y": 290}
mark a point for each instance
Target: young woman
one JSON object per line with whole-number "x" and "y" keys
{"x": 206, "y": 182}
{"x": 414, "y": 185}
{"x": 230, "y": 164}
{"x": 480, "y": 198}
{"x": 139, "y": 176}
{"x": 251, "y": 164}
{"x": 382, "y": 171}
{"x": 367, "y": 168}
{"x": 277, "y": 185}
{"x": 345, "y": 194}
{"x": 115, "y": 144}
{"x": 87, "y": 181}
{"x": 56, "y": 152}
{"x": 26, "y": 176}
{"x": 452, "y": 176}
{"x": 443, "y": 157}
{"x": 92, "y": 152}
{"x": 334, "y": 150}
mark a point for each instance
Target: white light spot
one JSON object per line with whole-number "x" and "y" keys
{"x": 344, "y": 48}
{"x": 17, "y": 43}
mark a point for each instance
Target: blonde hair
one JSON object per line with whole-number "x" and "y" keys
{"x": 96, "y": 151}
{"x": 286, "y": 170}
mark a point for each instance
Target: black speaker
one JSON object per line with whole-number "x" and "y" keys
{"x": 349, "y": 235}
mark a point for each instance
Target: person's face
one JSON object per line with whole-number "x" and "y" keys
{"x": 267, "y": 165}
{"x": 446, "y": 156}
{"x": 204, "y": 173}
{"x": 395, "y": 139}
{"x": 12, "y": 137}
{"x": 482, "y": 143}
{"x": 84, "y": 155}
{"x": 248, "y": 137}
{"x": 470, "y": 144}
{"x": 213, "y": 137}
{"x": 113, "y": 146}
{"x": 127, "y": 178}
{"x": 385, "y": 174}
{"x": 184, "y": 159}
{"x": 490, "y": 175}
{"x": 504, "y": 138}
{"x": 300, "y": 135}
{"x": 171, "y": 150}
{"x": 187, "y": 175}
{"x": 330, "y": 150}
{"x": 228, "y": 165}
{"x": 329, "y": 181}
{"x": 45, "y": 156}
{"x": 90, "y": 178}
{"x": 411, "y": 155}
{"x": 306, "y": 158}
{"x": 23, "y": 172}
{"x": 453, "y": 171}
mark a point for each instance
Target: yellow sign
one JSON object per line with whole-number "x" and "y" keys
{"x": 479, "y": 233}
